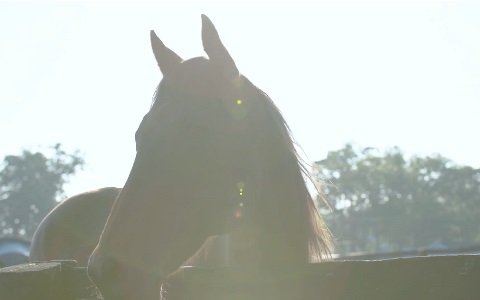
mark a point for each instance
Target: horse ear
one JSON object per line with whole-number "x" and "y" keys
{"x": 166, "y": 58}
{"x": 215, "y": 50}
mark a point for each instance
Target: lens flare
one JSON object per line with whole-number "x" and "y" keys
{"x": 238, "y": 214}
{"x": 237, "y": 108}
{"x": 240, "y": 186}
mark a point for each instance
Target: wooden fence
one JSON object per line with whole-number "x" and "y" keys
{"x": 433, "y": 277}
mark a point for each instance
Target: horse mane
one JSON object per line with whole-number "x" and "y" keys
{"x": 285, "y": 210}
{"x": 296, "y": 196}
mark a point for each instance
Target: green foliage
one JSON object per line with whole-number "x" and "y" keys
{"x": 30, "y": 185}
{"x": 383, "y": 202}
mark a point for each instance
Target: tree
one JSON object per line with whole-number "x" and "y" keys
{"x": 383, "y": 202}
{"x": 30, "y": 186}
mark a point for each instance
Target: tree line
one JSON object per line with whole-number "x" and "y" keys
{"x": 31, "y": 184}
{"x": 383, "y": 201}
{"x": 380, "y": 201}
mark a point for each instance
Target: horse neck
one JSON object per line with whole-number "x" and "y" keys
{"x": 282, "y": 237}
{"x": 238, "y": 248}
{"x": 249, "y": 247}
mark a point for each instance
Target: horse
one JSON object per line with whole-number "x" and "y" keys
{"x": 214, "y": 155}
{"x": 72, "y": 229}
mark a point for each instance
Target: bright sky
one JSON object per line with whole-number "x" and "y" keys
{"x": 379, "y": 74}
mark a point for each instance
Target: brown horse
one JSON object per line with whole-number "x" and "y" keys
{"x": 72, "y": 229}
{"x": 214, "y": 155}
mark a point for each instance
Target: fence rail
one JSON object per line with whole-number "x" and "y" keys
{"x": 425, "y": 278}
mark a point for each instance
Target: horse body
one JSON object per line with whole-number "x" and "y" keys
{"x": 72, "y": 229}
{"x": 214, "y": 156}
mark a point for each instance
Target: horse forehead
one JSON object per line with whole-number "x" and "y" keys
{"x": 200, "y": 76}
{"x": 199, "y": 64}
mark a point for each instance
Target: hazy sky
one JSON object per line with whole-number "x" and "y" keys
{"x": 379, "y": 74}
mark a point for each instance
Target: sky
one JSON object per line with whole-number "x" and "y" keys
{"x": 376, "y": 74}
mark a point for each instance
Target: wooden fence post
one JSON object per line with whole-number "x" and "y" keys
{"x": 43, "y": 281}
